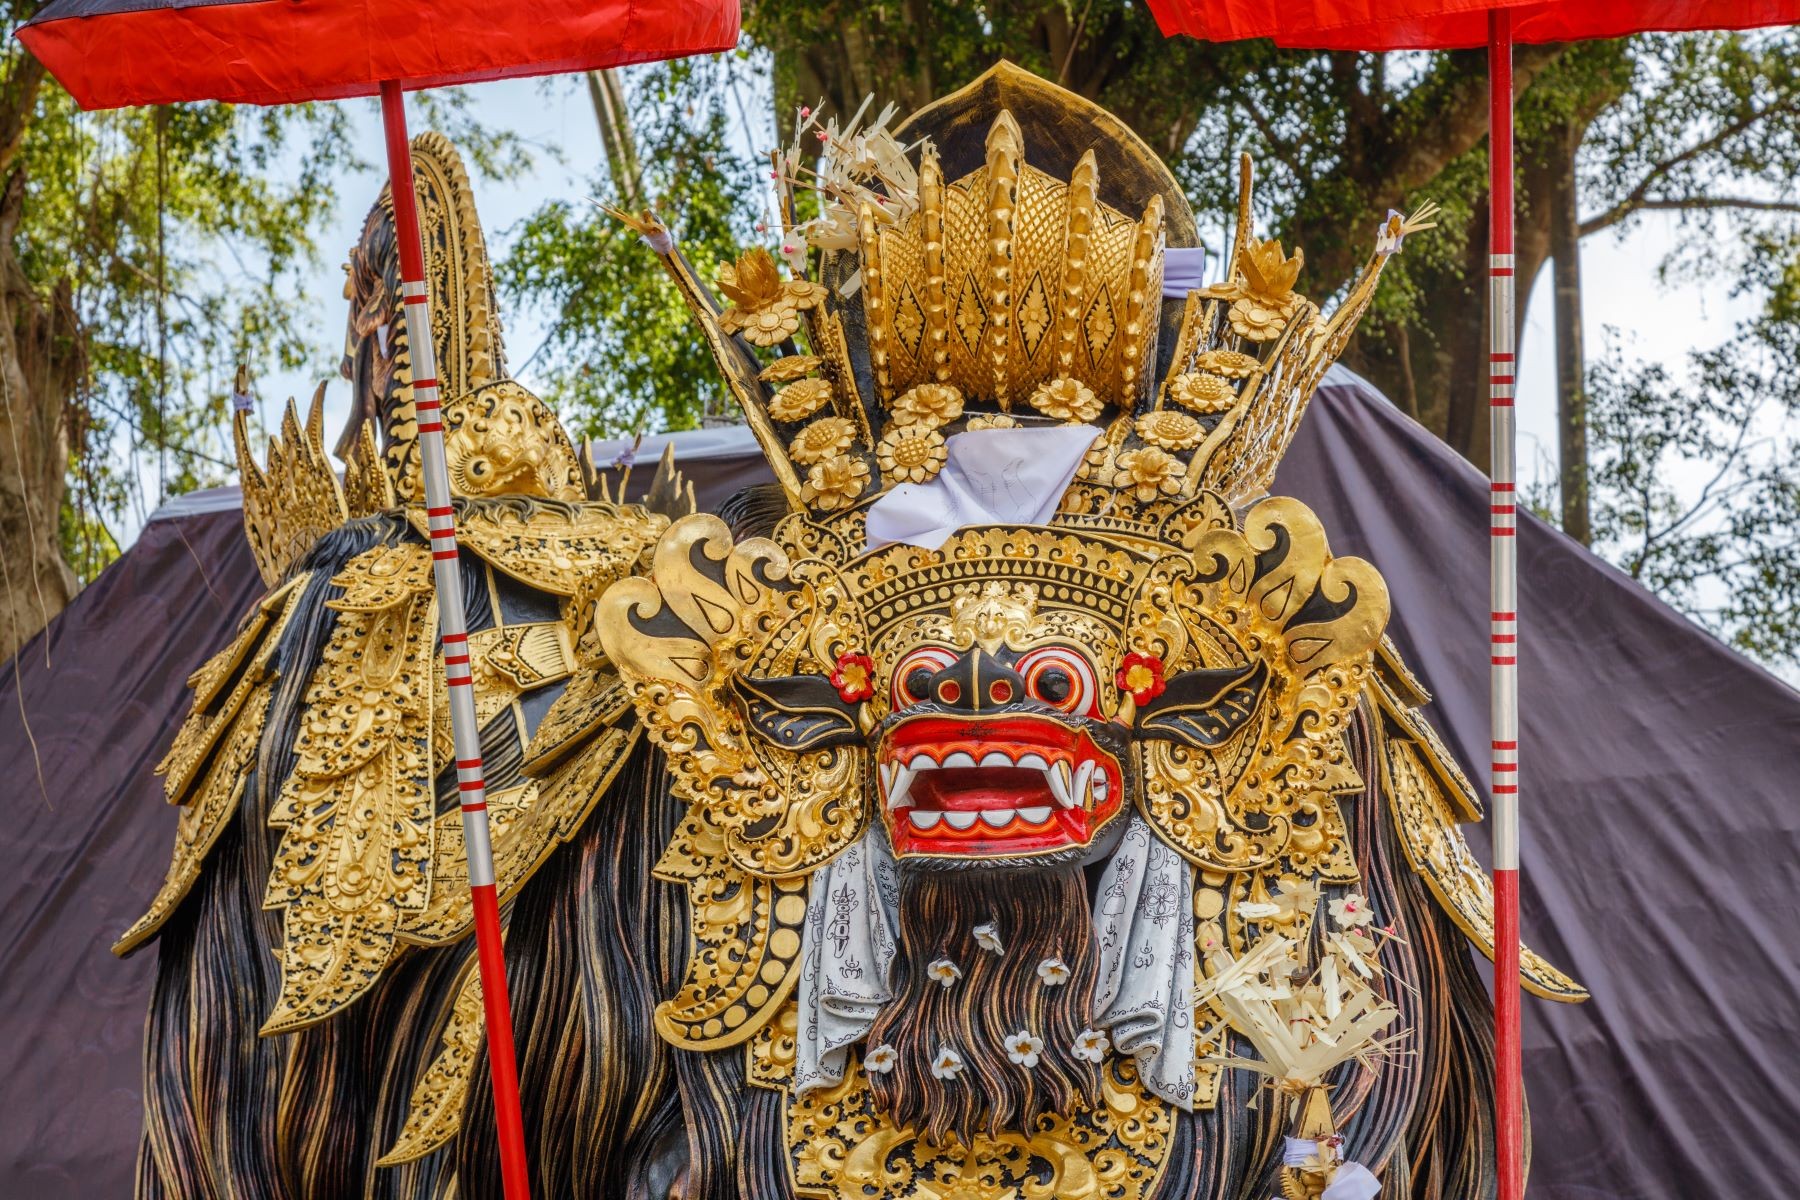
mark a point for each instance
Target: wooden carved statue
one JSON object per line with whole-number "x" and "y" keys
{"x": 1011, "y": 801}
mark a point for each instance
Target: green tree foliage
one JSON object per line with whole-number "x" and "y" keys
{"x": 1697, "y": 484}
{"x": 620, "y": 354}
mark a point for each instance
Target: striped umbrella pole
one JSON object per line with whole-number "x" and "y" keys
{"x": 453, "y": 627}
{"x": 1503, "y": 628}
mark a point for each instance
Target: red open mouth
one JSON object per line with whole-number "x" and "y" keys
{"x": 994, "y": 788}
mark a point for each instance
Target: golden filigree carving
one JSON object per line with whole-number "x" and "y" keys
{"x": 503, "y": 441}
{"x": 296, "y": 499}
{"x": 1013, "y": 278}
{"x": 1261, "y": 797}
{"x": 1436, "y": 850}
{"x": 554, "y": 548}
{"x": 843, "y": 1149}
{"x": 744, "y": 947}
{"x": 367, "y": 485}
{"x": 770, "y": 1055}
{"x": 206, "y": 769}
{"x": 358, "y": 812}
{"x": 435, "y": 1107}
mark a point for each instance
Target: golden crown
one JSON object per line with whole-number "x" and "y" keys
{"x": 963, "y": 286}
{"x": 1008, "y": 278}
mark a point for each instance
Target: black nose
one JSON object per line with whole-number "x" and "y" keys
{"x": 977, "y": 682}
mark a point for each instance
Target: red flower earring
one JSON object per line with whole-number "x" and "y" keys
{"x": 854, "y": 677}
{"x": 1140, "y": 676}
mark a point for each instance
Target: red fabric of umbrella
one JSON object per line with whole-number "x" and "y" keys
{"x": 1453, "y": 24}
{"x": 112, "y": 53}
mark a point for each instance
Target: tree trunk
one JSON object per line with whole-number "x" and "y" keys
{"x": 40, "y": 367}
{"x": 41, "y": 364}
{"x": 1571, "y": 372}
{"x": 606, "y": 92}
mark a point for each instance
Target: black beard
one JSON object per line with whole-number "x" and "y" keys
{"x": 1038, "y": 914}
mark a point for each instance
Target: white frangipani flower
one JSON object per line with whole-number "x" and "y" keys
{"x": 1351, "y": 911}
{"x": 944, "y": 971}
{"x": 987, "y": 936}
{"x": 946, "y": 1063}
{"x": 1024, "y": 1049}
{"x": 881, "y": 1059}
{"x": 1054, "y": 972}
{"x": 1091, "y": 1045}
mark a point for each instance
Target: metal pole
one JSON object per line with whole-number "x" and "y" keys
{"x": 1503, "y": 629}
{"x": 455, "y": 636}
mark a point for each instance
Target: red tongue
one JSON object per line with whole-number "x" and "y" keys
{"x": 973, "y": 788}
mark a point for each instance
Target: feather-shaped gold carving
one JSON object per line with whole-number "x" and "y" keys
{"x": 206, "y": 769}
{"x": 358, "y": 811}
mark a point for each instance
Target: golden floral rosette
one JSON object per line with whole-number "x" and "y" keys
{"x": 764, "y": 307}
{"x": 1067, "y": 399}
{"x": 911, "y": 454}
{"x": 825, "y": 438}
{"x": 836, "y": 482}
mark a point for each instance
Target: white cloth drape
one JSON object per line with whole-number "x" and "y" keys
{"x": 847, "y": 947}
{"x": 1144, "y": 930}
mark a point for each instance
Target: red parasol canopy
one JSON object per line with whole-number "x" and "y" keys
{"x": 1454, "y": 24}
{"x": 287, "y": 51}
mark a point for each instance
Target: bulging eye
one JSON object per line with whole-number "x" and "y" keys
{"x": 1062, "y": 678}
{"x": 912, "y": 676}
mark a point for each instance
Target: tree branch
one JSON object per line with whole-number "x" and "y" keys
{"x": 1613, "y": 216}
{"x": 1638, "y": 197}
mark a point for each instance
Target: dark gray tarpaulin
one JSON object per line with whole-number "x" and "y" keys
{"x": 1661, "y": 843}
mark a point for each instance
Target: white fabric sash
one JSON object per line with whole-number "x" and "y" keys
{"x": 847, "y": 948}
{"x": 1144, "y": 930}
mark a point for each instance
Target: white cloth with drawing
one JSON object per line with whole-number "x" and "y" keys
{"x": 990, "y": 477}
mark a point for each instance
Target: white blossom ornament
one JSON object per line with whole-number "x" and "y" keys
{"x": 987, "y": 936}
{"x": 1091, "y": 1045}
{"x": 946, "y": 1064}
{"x": 1024, "y": 1049}
{"x": 944, "y": 971}
{"x": 1054, "y": 972}
{"x": 1351, "y": 911}
{"x": 881, "y": 1059}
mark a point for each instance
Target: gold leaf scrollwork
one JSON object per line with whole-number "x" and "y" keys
{"x": 434, "y": 1109}
{"x": 843, "y": 1149}
{"x": 744, "y": 943}
{"x": 358, "y": 811}
{"x": 1436, "y": 849}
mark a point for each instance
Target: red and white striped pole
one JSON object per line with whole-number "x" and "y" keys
{"x": 453, "y": 626}
{"x": 1503, "y": 631}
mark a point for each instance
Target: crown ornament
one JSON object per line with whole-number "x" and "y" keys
{"x": 966, "y": 284}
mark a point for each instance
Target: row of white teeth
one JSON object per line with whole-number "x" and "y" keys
{"x": 1073, "y": 786}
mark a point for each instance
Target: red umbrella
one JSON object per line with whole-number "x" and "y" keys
{"x": 110, "y": 53}
{"x": 1456, "y": 25}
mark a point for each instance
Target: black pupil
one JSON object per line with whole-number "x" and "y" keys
{"x": 918, "y": 682}
{"x": 1054, "y": 685}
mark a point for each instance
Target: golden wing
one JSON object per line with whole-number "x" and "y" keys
{"x": 207, "y": 767}
{"x": 1429, "y": 795}
{"x": 357, "y": 810}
